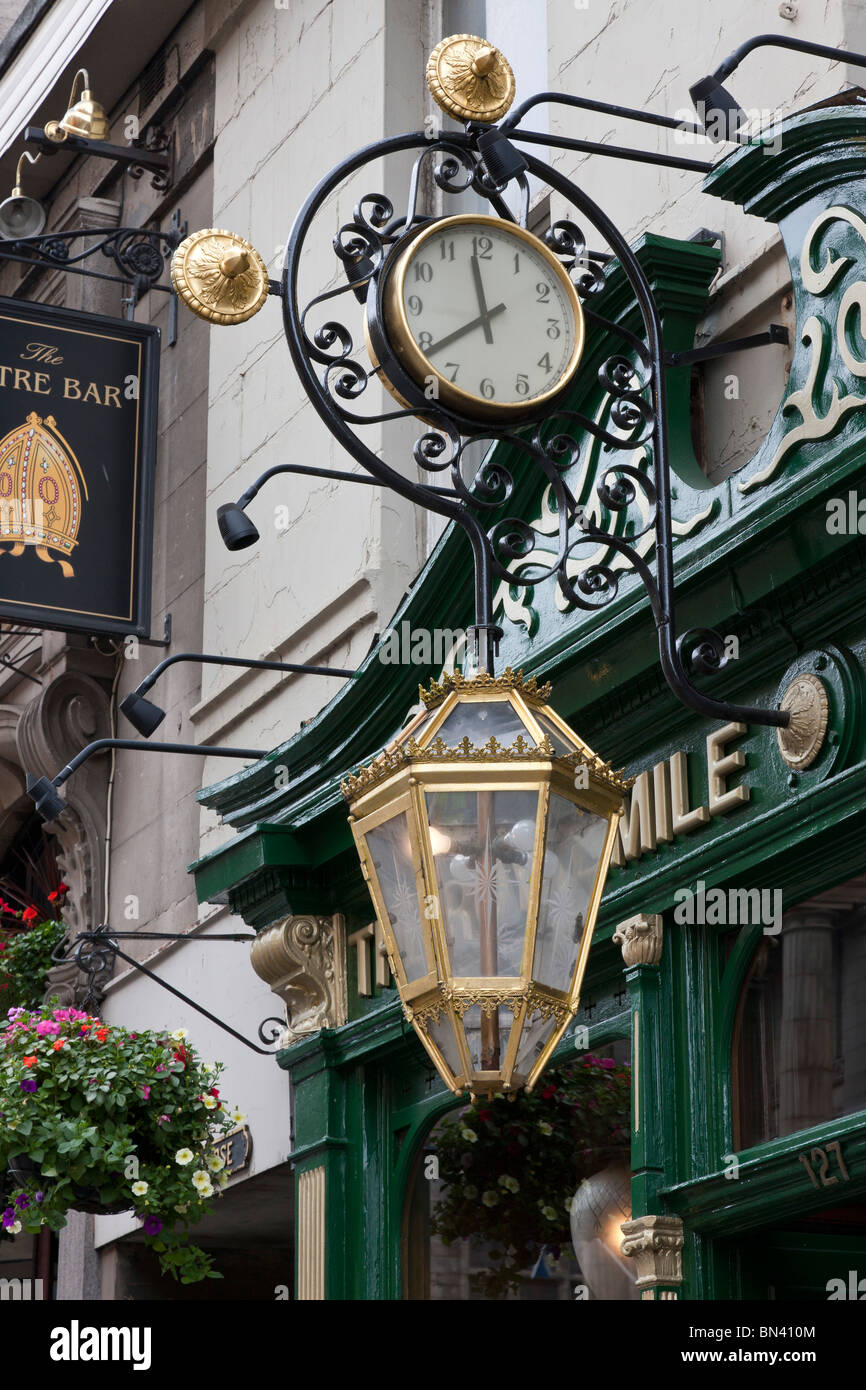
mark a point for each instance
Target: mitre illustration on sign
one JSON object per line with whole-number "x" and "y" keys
{"x": 41, "y": 487}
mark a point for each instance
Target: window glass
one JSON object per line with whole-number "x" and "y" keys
{"x": 523, "y": 1199}
{"x": 799, "y": 1045}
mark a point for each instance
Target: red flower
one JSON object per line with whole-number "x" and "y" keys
{"x": 30, "y": 1061}
{"x": 213, "y": 1091}
{"x": 180, "y": 1055}
{"x": 61, "y": 1042}
{"x": 101, "y": 1034}
{"x": 29, "y": 914}
{"x": 548, "y": 1092}
{"x": 63, "y": 887}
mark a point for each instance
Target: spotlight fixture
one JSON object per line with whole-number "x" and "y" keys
{"x": 21, "y": 216}
{"x": 44, "y": 793}
{"x": 142, "y": 714}
{"x": 236, "y": 529}
{"x": 145, "y": 716}
{"x": 85, "y": 117}
{"x": 719, "y": 112}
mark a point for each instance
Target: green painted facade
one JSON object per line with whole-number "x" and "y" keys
{"x": 754, "y": 559}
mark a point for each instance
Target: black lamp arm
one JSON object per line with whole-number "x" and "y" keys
{"x": 206, "y": 659}
{"x": 210, "y": 749}
{"x": 342, "y": 477}
{"x": 819, "y": 50}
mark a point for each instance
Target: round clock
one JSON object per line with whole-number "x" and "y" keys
{"x": 479, "y": 315}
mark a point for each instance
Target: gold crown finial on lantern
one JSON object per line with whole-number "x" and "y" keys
{"x": 219, "y": 276}
{"x": 470, "y": 79}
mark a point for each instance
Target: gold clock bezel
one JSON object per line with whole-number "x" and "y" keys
{"x": 405, "y": 348}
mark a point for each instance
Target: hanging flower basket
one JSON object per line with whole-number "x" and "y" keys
{"x": 96, "y": 1118}
{"x": 24, "y": 1171}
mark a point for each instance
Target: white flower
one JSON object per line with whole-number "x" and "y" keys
{"x": 468, "y": 1134}
{"x": 139, "y": 1188}
{"x": 207, "y": 1068}
{"x": 238, "y": 1116}
{"x": 15, "y": 1228}
{"x": 179, "y": 1034}
{"x": 215, "y": 1163}
{"x": 489, "y": 1198}
{"x": 545, "y": 1127}
{"x": 549, "y": 1212}
{"x": 184, "y": 1206}
{"x": 184, "y": 1156}
{"x": 202, "y": 1184}
{"x": 223, "y": 1179}
{"x": 510, "y": 1184}
{"x": 209, "y": 1102}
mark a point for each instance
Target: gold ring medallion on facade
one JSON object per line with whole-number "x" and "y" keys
{"x": 219, "y": 276}
{"x": 802, "y": 740}
{"x": 470, "y": 79}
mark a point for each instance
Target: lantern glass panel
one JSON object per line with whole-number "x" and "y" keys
{"x": 480, "y": 720}
{"x": 389, "y": 849}
{"x": 573, "y": 849}
{"x": 487, "y": 1036}
{"x": 442, "y": 1036}
{"x": 561, "y": 745}
{"x": 533, "y": 1039}
{"x": 482, "y": 846}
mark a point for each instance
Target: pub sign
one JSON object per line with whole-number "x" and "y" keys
{"x": 78, "y": 419}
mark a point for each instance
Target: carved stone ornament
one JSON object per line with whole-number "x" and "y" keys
{"x": 655, "y": 1243}
{"x": 640, "y": 938}
{"x": 801, "y": 742}
{"x": 303, "y": 959}
{"x": 470, "y": 79}
{"x": 67, "y": 714}
{"x": 219, "y": 276}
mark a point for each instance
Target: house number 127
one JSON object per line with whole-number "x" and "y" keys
{"x": 821, "y": 1159}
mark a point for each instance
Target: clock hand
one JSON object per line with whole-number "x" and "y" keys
{"x": 482, "y": 302}
{"x": 467, "y": 328}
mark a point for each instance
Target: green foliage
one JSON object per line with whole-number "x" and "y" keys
{"x": 102, "y": 1114}
{"x": 25, "y": 960}
{"x": 510, "y": 1168}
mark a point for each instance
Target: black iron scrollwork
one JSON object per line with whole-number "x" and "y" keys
{"x": 633, "y": 495}
{"x": 140, "y": 254}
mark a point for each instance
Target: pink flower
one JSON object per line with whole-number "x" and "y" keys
{"x": 164, "y": 1120}
{"x": 145, "y": 1091}
{"x": 45, "y": 1027}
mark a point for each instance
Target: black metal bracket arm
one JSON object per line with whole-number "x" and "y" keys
{"x": 95, "y": 953}
{"x": 140, "y": 254}
{"x": 776, "y": 333}
{"x": 43, "y": 790}
{"x": 146, "y": 716}
{"x": 132, "y": 156}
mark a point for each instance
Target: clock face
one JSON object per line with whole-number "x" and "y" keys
{"x": 482, "y": 308}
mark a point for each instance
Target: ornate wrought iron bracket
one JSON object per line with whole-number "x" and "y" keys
{"x": 96, "y": 952}
{"x": 140, "y": 254}
{"x": 336, "y": 364}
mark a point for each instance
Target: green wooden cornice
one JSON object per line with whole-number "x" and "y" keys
{"x": 818, "y": 150}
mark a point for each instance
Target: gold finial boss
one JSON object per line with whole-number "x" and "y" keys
{"x": 470, "y": 79}
{"x": 219, "y": 276}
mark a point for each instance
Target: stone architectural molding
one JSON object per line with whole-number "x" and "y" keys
{"x": 640, "y": 938}
{"x": 71, "y": 711}
{"x": 303, "y": 959}
{"x": 656, "y": 1244}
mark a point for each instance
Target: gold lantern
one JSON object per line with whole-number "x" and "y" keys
{"x": 485, "y": 832}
